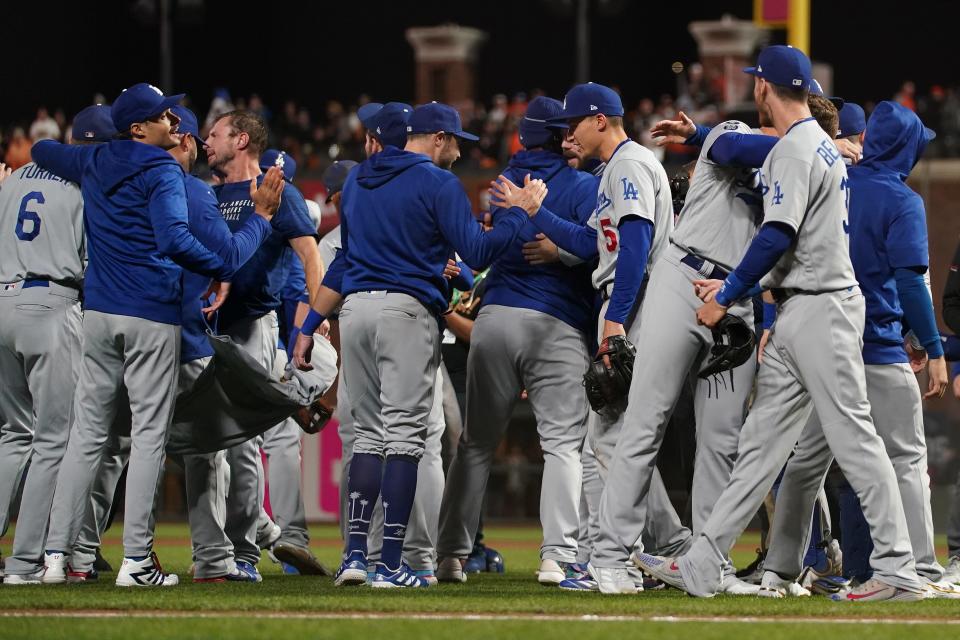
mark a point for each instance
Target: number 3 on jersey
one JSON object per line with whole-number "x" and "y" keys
{"x": 28, "y": 221}
{"x": 606, "y": 225}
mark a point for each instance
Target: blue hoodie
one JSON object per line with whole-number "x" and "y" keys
{"x": 566, "y": 293}
{"x": 887, "y": 225}
{"x": 403, "y": 217}
{"x": 135, "y": 217}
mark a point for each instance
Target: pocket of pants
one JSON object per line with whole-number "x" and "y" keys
{"x": 396, "y": 312}
{"x": 34, "y": 308}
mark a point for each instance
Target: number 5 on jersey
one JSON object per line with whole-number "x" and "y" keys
{"x": 28, "y": 232}
{"x": 606, "y": 225}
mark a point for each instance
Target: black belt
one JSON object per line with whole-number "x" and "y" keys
{"x": 695, "y": 262}
{"x": 782, "y": 295}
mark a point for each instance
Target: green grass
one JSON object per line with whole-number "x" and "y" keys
{"x": 515, "y": 592}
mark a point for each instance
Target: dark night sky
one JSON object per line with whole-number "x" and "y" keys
{"x": 311, "y": 52}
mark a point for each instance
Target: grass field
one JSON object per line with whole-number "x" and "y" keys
{"x": 509, "y": 605}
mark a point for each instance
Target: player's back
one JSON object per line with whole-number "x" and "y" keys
{"x": 804, "y": 182}
{"x": 723, "y": 206}
{"x": 41, "y": 216}
{"x": 633, "y": 182}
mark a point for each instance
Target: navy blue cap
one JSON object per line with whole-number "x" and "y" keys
{"x": 139, "y": 103}
{"x": 389, "y": 124}
{"x": 277, "y": 158}
{"x": 534, "y": 129}
{"x": 367, "y": 111}
{"x": 188, "y": 122}
{"x": 817, "y": 90}
{"x": 853, "y": 122}
{"x": 93, "y": 124}
{"x": 783, "y": 65}
{"x": 434, "y": 117}
{"x": 335, "y": 175}
{"x": 590, "y": 99}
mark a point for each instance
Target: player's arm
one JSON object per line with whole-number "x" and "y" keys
{"x": 463, "y": 279}
{"x": 67, "y": 161}
{"x": 735, "y": 149}
{"x": 951, "y": 294}
{"x": 579, "y": 240}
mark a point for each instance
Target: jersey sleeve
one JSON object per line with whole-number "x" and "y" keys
{"x": 633, "y": 192}
{"x": 292, "y": 219}
{"x": 785, "y": 184}
{"x": 67, "y": 161}
{"x": 906, "y": 236}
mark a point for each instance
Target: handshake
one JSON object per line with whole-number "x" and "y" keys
{"x": 506, "y": 194}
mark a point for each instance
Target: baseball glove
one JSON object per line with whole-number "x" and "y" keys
{"x": 314, "y": 418}
{"x": 733, "y": 345}
{"x": 608, "y": 386}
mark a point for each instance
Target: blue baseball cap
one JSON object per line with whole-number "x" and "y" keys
{"x": 534, "y": 129}
{"x": 188, "y": 122}
{"x": 277, "y": 158}
{"x": 139, "y": 103}
{"x": 817, "y": 90}
{"x": 853, "y": 121}
{"x": 93, "y": 124}
{"x": 389, "y": 123}
{"x": 367, "y": 111}
{"x": 589, "y": 99}
{"x": 335, "y": 175}
{"x": 434, "y": 117}
{"x": 783, "y": 65}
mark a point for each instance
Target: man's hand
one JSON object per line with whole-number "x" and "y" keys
{"x": 222, "y": 289}
{"x": 611, "y": 328}
{"x": 506, "y": 194}
{"x": 849, "y": 149}
{"x": 706, "y": 289}
{"x": 541, "y": 251}
{"x": 487, "y": 222}
{"x": 266, "y": 197}
{"x": 302, "y": 352}
{"x": 956, "y": 387}
{"x": 673, "y": 131}
{"x": 710, "y": 313}
{"x": 764, "y": 337}
{"x": 918, "y": 357}
{"x": 451, "y": 270}
{"x": 5, "y": 171}
{"x": 938, "y": 378}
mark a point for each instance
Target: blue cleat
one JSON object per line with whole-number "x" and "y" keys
{"x": 353, "y": 570}
{"x": 586, "y": 583}
{"x": 245, "y": 572}
{"x": 403, "y": 577}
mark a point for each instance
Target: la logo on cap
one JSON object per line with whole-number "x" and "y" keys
{"x": 759, "y": 68}
{"x": 797, "y": 82}
{"x": 593, "y": 107}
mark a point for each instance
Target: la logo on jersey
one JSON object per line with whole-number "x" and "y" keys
{"x": 629, "y": 191}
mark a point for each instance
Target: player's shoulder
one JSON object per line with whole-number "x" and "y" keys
{"x": 633, "y": 159}
{"x": 728, "y": 126}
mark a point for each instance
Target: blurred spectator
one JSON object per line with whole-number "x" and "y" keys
{"x": 44, "y": 127}
{"x": 18, "y": 150}
{"x": 907, "y": 95}
{"x": 220, "y": 105}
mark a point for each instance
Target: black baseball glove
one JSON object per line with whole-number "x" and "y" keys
{"x": 609, "y": 385}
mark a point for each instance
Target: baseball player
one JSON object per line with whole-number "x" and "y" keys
{"x": 234, "y": 146}
{"x": 888, "y": 247}
{"x": 805, "y": 257}
{"x": 389, "y": 322}
{"x": 530, "y": 334}
{"x": 41, "y": 270}
{"x": 630, "y": 228}
{"x": 136, "y": 224}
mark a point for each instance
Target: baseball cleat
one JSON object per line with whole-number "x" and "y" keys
{"x": 300, "y": 558}
{"x": 586, "y": 583}
{"x": 13, "y": 580}
{"x": 941, "y": 589}
{"x": 244, "y": 572}
{"x": 269, "y": 535}
{"x": 773, "y": 586}
{"x": 55, "y": 568}
{"x": 551, "y": 573}
{"x": 400, "y": 578}
{"x": 427, "y": 575}
{"x": 80, "y": 577}
{"x": 638, "y": 578}
{"x": 826, "y": 579}
{"x": 101, "y": 565}
{"x": 577, "y": 570}
{"x": 753, "y": 572}
{"x": 663, "y": 569}
{"x": 145, "y": 573}
{"x": 952, "y": 571}
{"x": 612, "y": 580}
{"x": 874, "y": 590}
{"x": 353, "y": 570}
{"x": 734, "y": 586}
{"x": 451, "y": 570}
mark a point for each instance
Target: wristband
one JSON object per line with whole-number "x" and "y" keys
{"x": 313, "y": 320}
{"x": 769, "y": 314}
{"x": 732, "y": 290}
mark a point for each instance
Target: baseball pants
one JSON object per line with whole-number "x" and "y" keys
{"x": 115, "y": 457}
{"x": 39, "y": 358}
{"x": 812, "y": 361}
{"x": 144, "y": 356}
{"x": 513, "y": 349}
{"x": 897, "y": 412}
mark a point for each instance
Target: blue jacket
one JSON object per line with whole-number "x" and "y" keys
{"x": 566, "y": 293}
{"x": 135, "y": 218}
{"x": 888, "y": 227}
{"x": 403, "y": 217}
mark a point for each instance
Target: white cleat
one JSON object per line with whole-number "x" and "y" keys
{"x": 734, "y": 586}
{"x": 451, "y": 570}
{"x": 942, "y": 589}
{"x": 773, "y": 586}
{"x": 145, "y": 573}
{"x": 613, "y": 580}
{"x": 551, "y": 573}
{"x": 16, "y": 581}
{"x": 874, "y": 590}
{"x": 55, "y": 568}
{"x": 952, "y": 571}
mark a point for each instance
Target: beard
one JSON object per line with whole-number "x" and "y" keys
{"x": 763, "y": 111}
{"x": 221, "y": 160}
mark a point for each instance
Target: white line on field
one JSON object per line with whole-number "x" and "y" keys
{"x": 491, "y": 617}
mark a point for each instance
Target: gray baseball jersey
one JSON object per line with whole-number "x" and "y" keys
{"x": 634, "y": 184}
{"x": 723, "y": 208}
{"x": 329, "y": 245}
{"x": 804, "y": 184}
{"x": 40, "y": 246}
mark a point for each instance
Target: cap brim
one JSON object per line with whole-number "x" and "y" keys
{"x": 929, "y": 133}
{"x": 170, "y": 101}
{"x": 466, "y": 136}
{"x": 557, "y": 124}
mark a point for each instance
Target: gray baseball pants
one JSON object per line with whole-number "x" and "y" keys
{"x": 114, "y": 459}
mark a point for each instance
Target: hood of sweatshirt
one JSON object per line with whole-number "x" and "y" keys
{"x": 895, "y": 140}
{"x": 381, "y": 168}
{"x": 118, "y": 160}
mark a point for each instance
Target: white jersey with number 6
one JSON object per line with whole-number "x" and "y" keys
{"x": 41, "y": 227}
{"x": 634, "y": 184}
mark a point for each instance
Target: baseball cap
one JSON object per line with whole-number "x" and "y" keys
{"x": 589, "y": 99}
{"x": 783, "y": 65}
{"x": 367, "y": 111}
{"x": 188, "y": 122}
{"x": 389, "y": 123}
{"x": 139, "y": 103}
{"x": 335, "y": 175}
{"x": 93, "y": 124}
{"x": 277, "y": 158}
{"x": 852, "y": 120}
{"x": 434, "y": 117}
{"x": 817, "y": 90}
{"x": 534, "y": 130}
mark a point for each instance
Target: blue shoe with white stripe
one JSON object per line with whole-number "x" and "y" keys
{"x": 579, "y": 584}
{"x": 353, "y": 570}
{"x": 403, "y": 577}
{"x": 245, "y": 572}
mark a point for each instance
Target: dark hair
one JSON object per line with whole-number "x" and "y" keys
{"x": 615, "y": 121}
{"x": 825, "y": 113}
{"x": 789, "y": 94}
{"x": 251, "y": 124}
